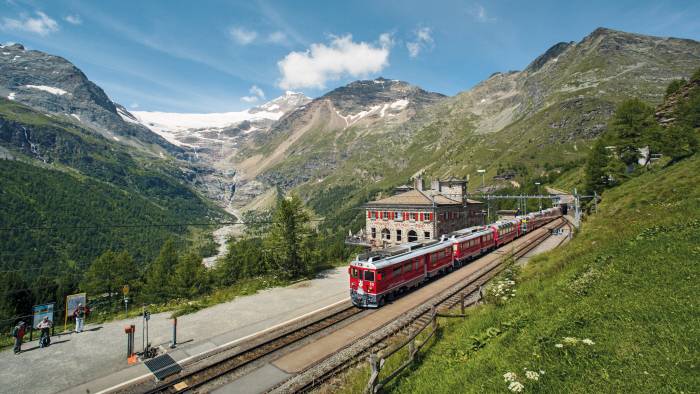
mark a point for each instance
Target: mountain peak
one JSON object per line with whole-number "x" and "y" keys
{"x": 551, "y": 54}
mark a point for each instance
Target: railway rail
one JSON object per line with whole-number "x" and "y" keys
{"x": 227, "y": 361}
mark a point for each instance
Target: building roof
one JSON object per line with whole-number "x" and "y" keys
{"x": 415, "y": 197}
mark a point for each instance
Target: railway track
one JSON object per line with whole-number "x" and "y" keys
{"x": 227, "y": 361}
{"x": 470, "y": 288}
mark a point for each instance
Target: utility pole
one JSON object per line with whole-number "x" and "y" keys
{"x": 482, "y": 178}
{"x": 539, "y": 197}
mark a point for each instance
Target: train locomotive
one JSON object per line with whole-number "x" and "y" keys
{"x": 379, "y": 276}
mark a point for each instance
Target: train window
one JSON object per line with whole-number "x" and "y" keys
{"x": 448, "y": 252}
{"x": 407, "y": 267}
{"x": 433, "y": 257}
{"x": 369, "y": 276}
{"x": 441, "y": 254}
{"x": 397, "y": 272}
{"x": 355, "y": 273}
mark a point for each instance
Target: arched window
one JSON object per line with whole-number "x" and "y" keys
{"x": 412, "y": 236}
{"x": 386, "y": 234}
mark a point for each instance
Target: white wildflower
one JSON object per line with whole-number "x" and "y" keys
{"x": 570, "y": 340}
{"x": 532, "y": 375}
{"x": 509, "y": 377}
{"x": 541, "y": 372}
{"x": 516, "y": 387}
{"x": 588, "y": 342}
{"x": 559, "y": 345}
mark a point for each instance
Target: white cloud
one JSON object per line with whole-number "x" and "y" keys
{"x": 256, "y": 94}
{"x": 386, "y": 40}
{"x": 277, "y": 37}
{"x": 242, "y": 35}
{"x": 479, "y": 13}
{"x": 42, "y": 24}
{"x": 342, "y": 57}
{"x": 73, "y": 19}
{"x": 423, "y": 40}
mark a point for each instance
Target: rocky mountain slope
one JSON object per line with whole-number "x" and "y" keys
{"x": 53, "y": 85}
{"x": 210, "y": 140}
{"x": 536, "y": 121}
{"x": 314, "y": 140}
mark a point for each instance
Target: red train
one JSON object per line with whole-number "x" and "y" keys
{"x": 381, "y": 275}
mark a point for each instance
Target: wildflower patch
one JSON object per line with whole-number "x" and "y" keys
{"x": 515, "y": 383}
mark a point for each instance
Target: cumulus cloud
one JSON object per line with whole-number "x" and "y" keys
{"x": 256, "y": 94}
{"x": 242, "y": 35}
{"x": 73, "y": 19}
{"x": 423, "y": 40}
{"x": 42, "y": 24}
{"x": 277, "y": 37}
{"x": 341, "y": 57}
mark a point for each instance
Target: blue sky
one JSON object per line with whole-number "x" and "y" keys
{"x": 214, "y": 56}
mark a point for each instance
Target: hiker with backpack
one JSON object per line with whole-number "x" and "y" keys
{"x": 18, "y": 333}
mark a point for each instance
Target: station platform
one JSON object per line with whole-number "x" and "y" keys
{"x": 95, "y": 360}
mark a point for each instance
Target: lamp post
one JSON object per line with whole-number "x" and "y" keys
{"x": 482, "y": 178}
{"x": 539, "y": 198}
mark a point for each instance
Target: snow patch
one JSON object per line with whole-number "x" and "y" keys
{"x": 76, "y": 116}
{"x": 11, "y": 96}
{"x": 116, "y": 138}
{"x": 6, "y": 53}
{"x": 50, "y": 89}
{"x": 482, "y": 101}
{"x": 126, "y": 116}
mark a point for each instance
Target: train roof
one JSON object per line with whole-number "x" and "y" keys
{"x": 384, "y": 261}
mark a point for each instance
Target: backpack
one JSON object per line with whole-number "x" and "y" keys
{"x": 15, "y": 331}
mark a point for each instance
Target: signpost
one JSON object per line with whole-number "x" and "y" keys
{"x": 72, "y": 302}
{"x": 125, "y": 291}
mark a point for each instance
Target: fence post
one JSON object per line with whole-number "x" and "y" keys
{"x": 411, "y": 345}
{"x": 375, "y": 373}
{"x": 174, "y": 344}
{"x": 462, "y": 304}
{"x": 433, "y": 311}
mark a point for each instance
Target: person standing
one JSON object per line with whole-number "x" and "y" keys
{"x": 45, "y": 327}
{"x": 79, "y": 316}
{"x": 18, "y": 333}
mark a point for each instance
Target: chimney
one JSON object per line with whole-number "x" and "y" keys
{"x": 419, "y": 183}
{"x": 435, "y": 185}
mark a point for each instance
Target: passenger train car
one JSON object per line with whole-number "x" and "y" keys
{"x": 381, "y": 275}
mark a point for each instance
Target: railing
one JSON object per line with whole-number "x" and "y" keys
{"x": 377, "y": 360}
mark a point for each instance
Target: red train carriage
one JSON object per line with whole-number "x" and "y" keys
{"x": 505, "y": 231}
{"x": 467, "y": 245}
{"x": 374, "y": 279}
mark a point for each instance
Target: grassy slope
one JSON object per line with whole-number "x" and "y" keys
{"x": 628, "y": 282}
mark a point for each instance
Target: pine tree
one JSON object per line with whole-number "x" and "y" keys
{"x": 680, "y": 141}
{"x": 288, "y": 244}
{"x": 101, "y": 277}
{"x": 632, "y": 127}
{"x": 157, "y": 279}
{"x": 189, "y": 278}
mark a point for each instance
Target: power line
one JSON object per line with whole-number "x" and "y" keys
{"x": 144, "y": 225}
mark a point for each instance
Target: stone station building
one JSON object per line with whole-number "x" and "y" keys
{"x": 419, "y": 215}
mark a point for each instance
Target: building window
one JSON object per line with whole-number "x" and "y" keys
{"x": 398, "y": 216}
{"x": 385, "y": 215}
{"x": 386, "y": 234}
{"x": 412, "y": 236}
{"x": 426, "y": 234}
{"x": 414, "y": 216}
{"x": 374, "y": 233}
{"x": 398, "y": 235}
{"x": 426, "y": 216}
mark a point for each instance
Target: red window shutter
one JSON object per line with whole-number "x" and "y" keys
{"x": 431, "y": 216}
{"x": 421, "y": 216}
{"x": 405, "y": 216}
{"x": 391, "y": 215}
{"x": 369, "y": 215}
